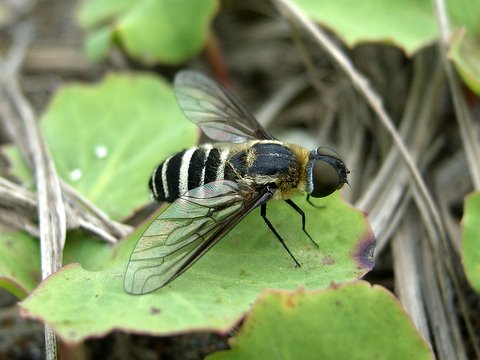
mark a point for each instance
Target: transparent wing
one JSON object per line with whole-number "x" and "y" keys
{"x": 183, "y": 233}
{"x": 218, "y": 112}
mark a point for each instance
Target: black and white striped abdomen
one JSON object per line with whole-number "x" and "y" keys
{"x": 187, "y": 170}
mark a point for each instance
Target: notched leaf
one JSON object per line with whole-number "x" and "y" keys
{"x": 347, "y": 321}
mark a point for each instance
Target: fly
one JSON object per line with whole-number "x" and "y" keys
{"x": 212, "y": 187}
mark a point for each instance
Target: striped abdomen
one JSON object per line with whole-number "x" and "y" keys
{"x": 261, "y": 162}
{"x": 187, "y": 170}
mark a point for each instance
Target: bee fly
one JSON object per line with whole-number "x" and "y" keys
{"x": 214, "y": 186}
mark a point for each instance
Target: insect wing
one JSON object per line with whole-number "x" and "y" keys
{"x": 218, "y": 112}
{"x": 183, "y": 233}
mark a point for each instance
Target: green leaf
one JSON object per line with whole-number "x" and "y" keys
{"x": 465, "y": 42}
{"x": 471, "y": 240}
{"x": 95, "y": 12}
{"x": 408, "y": 24}
{"x": 20, "y": 277}
{"x": 18, "y": 167}
{"x": 464, "y": 14}
{"x": 91, "y": 253}
{"x": 166, "y": 31}
{"x": 19, "y": 263}
{"x": 218, "y": 289}
{"x": 350, "y": 321}
{"x": 107, "y": 139}
{"x": 465, "y": 54}
{"x": 98, "y": 44}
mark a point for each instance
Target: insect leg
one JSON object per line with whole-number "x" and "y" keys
{"x": 313, "y": 204}
{"x": 263, "y": 212}
{"x": 302, "y": 214}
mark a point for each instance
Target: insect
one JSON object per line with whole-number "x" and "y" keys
{"x": 214, "y": 186}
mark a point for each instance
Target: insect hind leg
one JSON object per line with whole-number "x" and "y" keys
{"x": 263, "y": 212}
{"x": 302, "y": 214}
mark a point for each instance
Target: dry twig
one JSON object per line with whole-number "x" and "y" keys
{"x": 51, "y": 210}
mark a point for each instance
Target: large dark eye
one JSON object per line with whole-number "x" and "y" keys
{"x": 325, "y": 179}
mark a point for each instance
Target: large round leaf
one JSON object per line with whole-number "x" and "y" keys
{"x": 217, "y": 290}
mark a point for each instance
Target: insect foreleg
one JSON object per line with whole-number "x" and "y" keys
{"x": 263, "y": 212}
{"x": 302, "y": 214}
{"x": 313, "y": 204}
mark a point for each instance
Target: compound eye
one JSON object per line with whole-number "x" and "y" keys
{"x": 325, "y": 179}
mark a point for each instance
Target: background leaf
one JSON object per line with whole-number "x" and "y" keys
{"x": 464, "y": 14}
{"x": 98, "y": 43}
{"x": 409, "y": 24}
{"x": 107, "y": 139}
{"x": 465, "y": 54}
{"x": 348, "y": 321}
{"x": 216, "y": 292}
{"x": 471, "y": 240}
{"x": 465, "y": 43}
{"x": 19, "y": 263}
{"x": 167, "y": 31}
